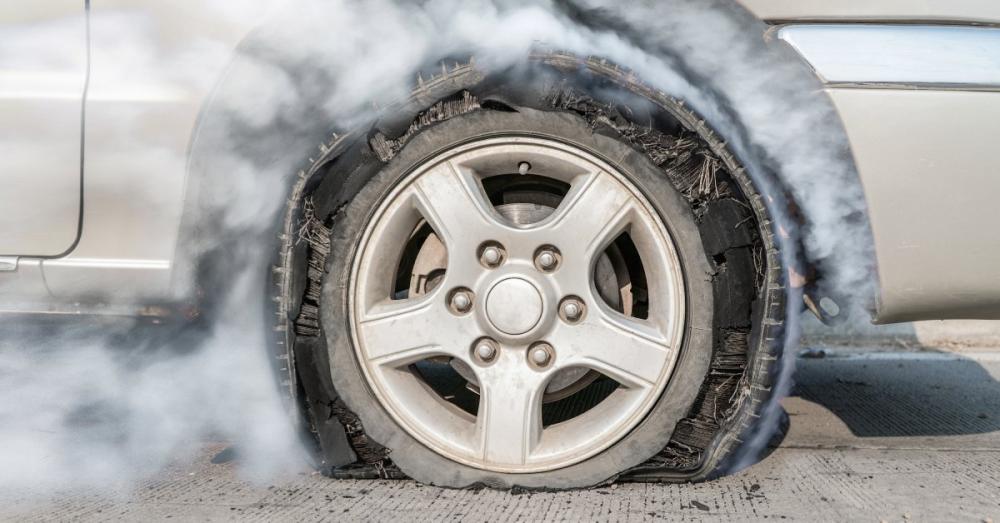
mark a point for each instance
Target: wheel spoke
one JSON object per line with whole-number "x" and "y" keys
{"x": 399, "y": 333}
{"x": 510, "y": 411}
{"x": 596, "y": 209}
{"x": 452, "y": 201}
{"x": 629, "y": 350}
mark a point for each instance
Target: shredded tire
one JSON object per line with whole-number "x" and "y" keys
{"x": 733, "y": 223}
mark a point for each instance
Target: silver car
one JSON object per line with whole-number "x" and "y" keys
{"x": 506, "y": 243}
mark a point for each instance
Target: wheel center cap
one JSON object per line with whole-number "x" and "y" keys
{"x": 514, "y": 306}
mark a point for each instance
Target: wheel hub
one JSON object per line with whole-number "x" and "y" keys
{"x": 514, "y": 306}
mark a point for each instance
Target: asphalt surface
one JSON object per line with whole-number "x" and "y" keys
{"x": 873, "y": 436}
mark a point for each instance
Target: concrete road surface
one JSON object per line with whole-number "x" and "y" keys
{"x": 893, "y": 436}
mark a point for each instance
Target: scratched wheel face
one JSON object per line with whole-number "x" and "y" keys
{"x": 516, "y": 304}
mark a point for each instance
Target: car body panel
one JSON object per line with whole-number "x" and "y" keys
{"x": 908, "y": 55}
{"x": 142, "y": 117}
{"x": 921, "y": 108}
{"x": 43, "y": 71}
{"x": 927, "y": 161}
{"x": 143, "y": 106}
{"x": 938, "y": 11}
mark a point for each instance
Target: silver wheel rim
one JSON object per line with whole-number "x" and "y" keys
{"x": 518, "y": 315}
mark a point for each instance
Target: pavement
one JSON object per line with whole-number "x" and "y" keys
{"x": 873, "y": 436}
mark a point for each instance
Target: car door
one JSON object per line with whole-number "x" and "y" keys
{"x": 43, "y": 73}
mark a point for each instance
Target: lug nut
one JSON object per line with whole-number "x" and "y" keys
{"x": 547, "y": 259}
{"x": 491, "y": 255}
{"x": 540, "y": 354}
{"x": 461, "y": 301}
{"x": 486, "y": 351}
{"x": 572, "y": 310}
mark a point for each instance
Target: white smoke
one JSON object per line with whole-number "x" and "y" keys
{"x": 85, "y": 407}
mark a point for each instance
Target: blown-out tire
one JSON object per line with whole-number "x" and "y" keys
{"x": 732, "y": 275}
{"x": 642, "y": 442}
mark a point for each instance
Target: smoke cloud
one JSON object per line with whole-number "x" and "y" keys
{"x": 89, "y": 403}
